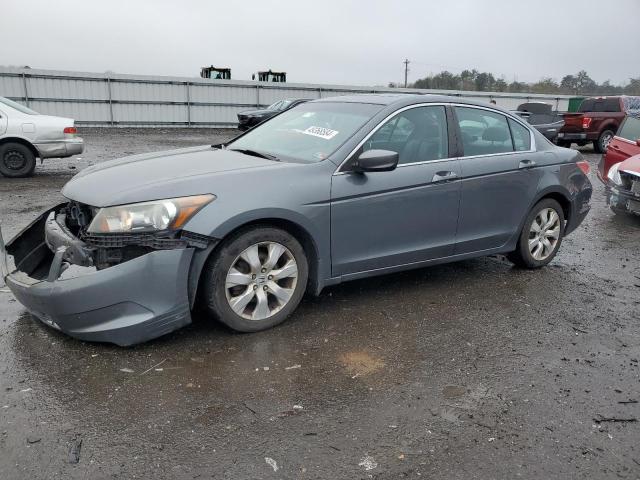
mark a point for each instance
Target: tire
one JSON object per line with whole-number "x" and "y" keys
{"x": 247, "y": 282}
{"x": 600, "y": 145}
{"x": 526, "y": 257}
{"x": 16, "y": 160}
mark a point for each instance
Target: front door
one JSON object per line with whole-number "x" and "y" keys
{"x": 624, "y": 144}
{"x": 408, "y": 215}
{"x": 499, "y": 178}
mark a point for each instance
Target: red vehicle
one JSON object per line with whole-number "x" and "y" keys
{"x": 619, "y": 169}
{"x": 597, "y": 120}
{"x": 624, "y": 145}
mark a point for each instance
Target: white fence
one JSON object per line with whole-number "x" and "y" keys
{"x": 97, "y": 99}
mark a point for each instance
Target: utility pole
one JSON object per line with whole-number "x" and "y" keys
{"x": 406, "y": 70}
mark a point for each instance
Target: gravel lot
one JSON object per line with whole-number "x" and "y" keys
{"x": 468, "y": 370}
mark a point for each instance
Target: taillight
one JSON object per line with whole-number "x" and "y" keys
{"x": 586, "y": 122}
{"x": 71, "y": 130}
{"x": 584, "y": 166}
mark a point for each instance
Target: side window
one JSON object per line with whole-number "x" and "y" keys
{"x": 483, "y": 132}
{"x": 521, "y": 136}
{"x": 607, "y": 105}
{"x": 417, "y": 135}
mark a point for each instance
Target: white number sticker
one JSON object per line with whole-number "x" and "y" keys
{"x": 321, "y": 132}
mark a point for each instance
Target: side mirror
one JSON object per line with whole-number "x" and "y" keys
{"x": 638, "y": 142}
{"x": 376, "y": 161}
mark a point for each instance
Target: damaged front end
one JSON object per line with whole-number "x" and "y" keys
{"x": 123, "y": 288}
{"x": 623, "y": 189}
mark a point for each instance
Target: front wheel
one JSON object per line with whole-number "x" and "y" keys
{"x": 541, "y": 235}
{"x": 256, "y": 279}
{"x": 601, "y": 145}
{"x": 16, "y": 160}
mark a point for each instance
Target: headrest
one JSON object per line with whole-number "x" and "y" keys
{"x": 496, "y": 134}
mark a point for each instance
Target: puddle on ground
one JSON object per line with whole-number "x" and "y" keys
{"x": 453, "y": 391}
{"x": 360, "y": 363}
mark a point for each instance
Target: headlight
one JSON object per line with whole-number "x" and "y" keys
{"x": 169, "y": 214}
{"x": 614, "y": 175}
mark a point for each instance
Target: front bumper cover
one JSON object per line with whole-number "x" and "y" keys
{"x": 125, "y": 304}
{"x": 622, "y": 200}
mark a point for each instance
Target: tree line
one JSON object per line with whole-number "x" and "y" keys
{"x": 473, "y": 80}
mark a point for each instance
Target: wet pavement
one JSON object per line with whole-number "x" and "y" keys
{"x": 468, "y": 370}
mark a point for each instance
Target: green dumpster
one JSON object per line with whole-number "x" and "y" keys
{"x": 574, "y": 103}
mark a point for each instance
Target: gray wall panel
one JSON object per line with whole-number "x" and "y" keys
{"x": 120, "y": 100}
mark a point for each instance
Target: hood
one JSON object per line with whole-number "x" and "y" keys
{"x": 263, "y": 111}
{"x": 631, "y": 165}
{"x": 153, "y": 176}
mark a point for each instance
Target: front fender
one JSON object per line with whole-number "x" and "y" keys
{"x": 315, "y": 223}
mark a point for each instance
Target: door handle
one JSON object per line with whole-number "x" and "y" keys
{"x": 445, "y": 176}
{"x": 527, "y": 164}
{"x": 615, "y": 147}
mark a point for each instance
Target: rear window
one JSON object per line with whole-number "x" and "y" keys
{"x": 600, "y": 105}
{"x": 630, "y": 129}
{"x": 17, "y": 106}
{"x": 586, "y": 105}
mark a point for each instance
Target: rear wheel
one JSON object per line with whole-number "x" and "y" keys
{"x": 16, "y": 160}
{"x": 541, "y": 235}
{"x": 256, "y": 280}
{"x": 601, "y": 145}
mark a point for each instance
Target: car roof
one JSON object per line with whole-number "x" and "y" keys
{"x": 404, "y": 99}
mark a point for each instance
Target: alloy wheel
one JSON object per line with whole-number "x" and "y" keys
{"x": 544, "y": 234}
{"x": 261, "y": 280}
{"x": 606, "y": 140}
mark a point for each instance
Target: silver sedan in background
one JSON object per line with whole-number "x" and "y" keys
{"x": 26, "y": 135}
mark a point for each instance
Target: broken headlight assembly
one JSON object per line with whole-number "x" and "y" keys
{"x": 614, "y": 174}
{"x": 153, "y": 216}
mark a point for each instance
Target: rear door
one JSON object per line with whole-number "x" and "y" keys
{"x": 499, "y": 178}
{"x": 3, "y": 122}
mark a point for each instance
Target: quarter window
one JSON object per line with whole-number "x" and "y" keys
{"x": 521, "y": 136}
{"x": 417, "y": 135}
{"x": 483, "y": 132}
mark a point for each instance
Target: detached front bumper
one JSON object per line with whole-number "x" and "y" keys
{"x": 125, "y": 304}
{"x": 60, "y": 149}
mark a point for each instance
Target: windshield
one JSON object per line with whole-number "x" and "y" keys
{"x": 309, "y": 132}
{"x": 630, "y": 129}
{"x": 17, "y": 106}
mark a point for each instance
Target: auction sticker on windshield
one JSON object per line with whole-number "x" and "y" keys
{"x": 321, "y": 132}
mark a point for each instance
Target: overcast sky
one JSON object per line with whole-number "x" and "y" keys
{"x": 329, "y": 41}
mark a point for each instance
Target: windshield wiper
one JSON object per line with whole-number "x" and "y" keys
{"x": 255, "y": 153}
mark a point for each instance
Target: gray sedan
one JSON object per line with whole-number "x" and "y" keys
{"x": 329, "y": 191}
{"x": 26, "y": 135}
